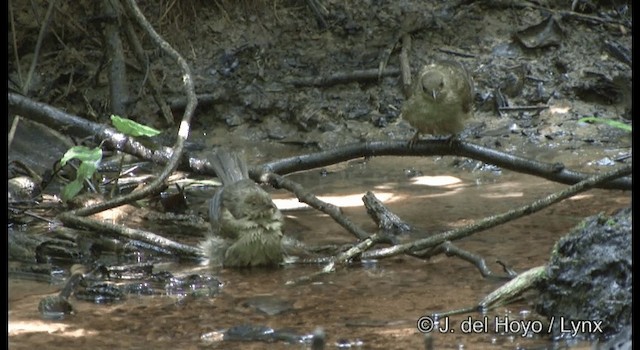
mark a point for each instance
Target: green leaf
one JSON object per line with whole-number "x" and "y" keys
{"x": 613, "y": 123}
{"x": 89, "y": 161}
{"x": 131, "y": 128}
{"x": 71, "y": 189}
{"x": 86, "y": 170}
{"x": 82, "y": 153}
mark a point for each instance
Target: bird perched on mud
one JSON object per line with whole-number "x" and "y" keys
{"x": 245, "y": 223}
{"x": 441, "y": 100}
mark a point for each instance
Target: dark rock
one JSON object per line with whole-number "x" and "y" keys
{"x": 590, "y": 277}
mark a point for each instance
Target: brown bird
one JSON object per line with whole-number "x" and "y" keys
{"x": 441, "y": 100}
{"x": 246, "y": 226}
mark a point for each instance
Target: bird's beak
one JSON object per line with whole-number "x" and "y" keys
{"x": 434, "y": 94}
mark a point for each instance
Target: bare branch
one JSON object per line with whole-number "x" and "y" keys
{"x": 306, "y": 197}
{"x": 554, "y": 172}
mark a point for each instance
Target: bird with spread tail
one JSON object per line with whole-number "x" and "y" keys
{"x": 246, "y": 226}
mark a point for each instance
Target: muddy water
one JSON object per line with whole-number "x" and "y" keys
{"x": 375, "y": 304}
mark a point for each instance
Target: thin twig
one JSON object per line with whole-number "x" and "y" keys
{"x": 522, "y": 108}
{"x": 452, "y": 250}
{"x": 15, "y": 44}
{"x": 411, "y": 23}
{"x": 36, "y": 51}
{"x": 341, "y": 259}
{"x": 456, "y": 53}
{"x": 306, "y": 197}
{"x": 591, "y": 19}
{"x": 318, "y": 10}
{"x": 218, "y": 96}
{"x": 12, "y": 132}
{"x": 563, "y": 13}
{"x": 143, "y": 60}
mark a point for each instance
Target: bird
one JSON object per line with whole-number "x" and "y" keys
{"x": 441, "y": 100}
{"x": 246, "y": 226}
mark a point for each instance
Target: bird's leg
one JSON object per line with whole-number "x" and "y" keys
{"x": 414, "y": 139}
{"x": 453, "y": 138}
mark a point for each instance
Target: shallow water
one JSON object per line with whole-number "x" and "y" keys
{"x": 376, "y": 304}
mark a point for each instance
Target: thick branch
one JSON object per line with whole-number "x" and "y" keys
{"x": 554, "y": 172}
{"x": 121, "y": 231}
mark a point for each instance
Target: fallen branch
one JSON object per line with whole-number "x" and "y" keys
{"x": 358, "y": 76}
{"x": 554, "y": 172}
{"x": 120, "y": 231}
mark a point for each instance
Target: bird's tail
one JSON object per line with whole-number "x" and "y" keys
{"x": 229, "y": 166}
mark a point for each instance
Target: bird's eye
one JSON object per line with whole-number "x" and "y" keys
{"x": 425, "y": 88}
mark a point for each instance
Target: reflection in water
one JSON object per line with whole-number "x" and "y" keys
{"x": 376, "y": 303}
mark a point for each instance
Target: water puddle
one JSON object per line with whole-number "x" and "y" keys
{"x": 372, "y": 304}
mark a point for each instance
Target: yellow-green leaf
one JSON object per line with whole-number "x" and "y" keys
{"x": 131, "y": 128}
{"x": 82, "y": 153}
{"x": 71, "y": 189}
{"x": 613, "y": 123}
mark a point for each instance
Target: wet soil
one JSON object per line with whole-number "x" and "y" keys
{"x": 251, "y": 57}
